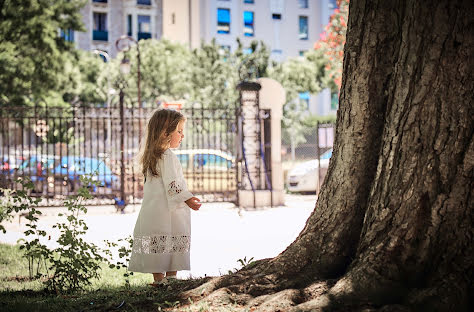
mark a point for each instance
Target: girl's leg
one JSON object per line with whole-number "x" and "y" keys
{"x": 158, "y": 276}
{"x": 171, "y": 274}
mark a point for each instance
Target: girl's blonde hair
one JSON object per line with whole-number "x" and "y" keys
{"x": 157, "y": 141}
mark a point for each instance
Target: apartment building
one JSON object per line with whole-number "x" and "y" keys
{"x": 288, "y": 27}
{"x": 106, "y": 20}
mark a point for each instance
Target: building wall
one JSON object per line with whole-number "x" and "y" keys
{"x": 182, "y": 21}
{"x": 117, "y": 22}
{"x": 282, "y": 36}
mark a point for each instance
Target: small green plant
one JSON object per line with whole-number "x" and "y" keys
{"x": 167, "y": 304}
{"x": 124, "y": 253}
{"x": 75, "y": 262}
{"x": 20, "y": 202}
{"x": 243, "y": 263}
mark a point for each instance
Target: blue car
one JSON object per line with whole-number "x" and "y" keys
{"x": 53, "y": 173}
{"x": 74, "y": 167}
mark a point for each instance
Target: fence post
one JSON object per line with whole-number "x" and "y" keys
{"x": 122, "y": 147}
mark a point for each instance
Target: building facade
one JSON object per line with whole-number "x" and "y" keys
{"x": 106, "y": 20}
{"x": 287, "y": 27}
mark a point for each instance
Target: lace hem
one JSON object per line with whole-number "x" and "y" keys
{"x": 154, "y": 244}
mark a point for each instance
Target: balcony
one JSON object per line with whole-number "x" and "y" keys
{"x": 144, "y": 35}
{"x": 144, "y": 2}
{"x": 100, "y": 35}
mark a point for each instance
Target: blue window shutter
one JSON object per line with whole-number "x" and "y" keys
{"x": 223, "y": 16}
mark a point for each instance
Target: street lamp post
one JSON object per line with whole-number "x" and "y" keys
{"x": 106, "y": 57}
{"x": 124, "y": 43}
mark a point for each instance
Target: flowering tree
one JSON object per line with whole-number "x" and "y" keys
{"x": 332, "y": 42}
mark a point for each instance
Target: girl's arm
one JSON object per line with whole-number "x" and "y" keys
{"x": 175, "y": 186}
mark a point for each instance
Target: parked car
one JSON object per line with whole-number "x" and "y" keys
{"x": 39, "y": 169}
{"x": 304, "y": 176}
{"x": 8, "y": 163}
{"x": 208, "y": 170}
{"x": 54, "y": 174}
{"x": 72, "y": 168}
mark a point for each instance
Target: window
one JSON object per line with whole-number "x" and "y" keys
{"x": 211, "y": 161}
{"x": 304, "y": 99}
{"x": 302, "y": 52}
{"x": 100, "y": 32}
{"x": 276, "y": 16}
{"x": 303, "y": 4}
{"x": 144, "y": 27}
{"x": 248, "y": 24}
{"x": 101, "y": 1}
{"x": 223, "y": 21}
{"x": 249, "y": 1}
{"x": 277, "y": 51}
{"x": 129, "y": 25}
{"x": 67, "y": 34}
{"x": 303, "y": 21}
{"x": 144, "y": 2}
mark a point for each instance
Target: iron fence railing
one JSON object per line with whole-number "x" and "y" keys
{"x": 54, "y": 146}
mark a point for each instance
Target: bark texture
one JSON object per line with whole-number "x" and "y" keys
{"x": 393, "y": 226}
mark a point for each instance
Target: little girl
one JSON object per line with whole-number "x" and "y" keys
{"x": 162, "y": 235}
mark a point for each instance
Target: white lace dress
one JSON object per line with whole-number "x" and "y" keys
{"x": 162, "y": 235}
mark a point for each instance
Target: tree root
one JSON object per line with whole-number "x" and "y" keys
{"x": 359, "y": 290}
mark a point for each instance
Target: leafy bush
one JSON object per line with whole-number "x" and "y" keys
{"x": 73, "y": 264}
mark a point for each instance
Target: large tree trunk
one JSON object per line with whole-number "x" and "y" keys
{"x": 393, "y": 225}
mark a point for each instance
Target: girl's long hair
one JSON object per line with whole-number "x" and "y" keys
{"x": 157, "y": 139}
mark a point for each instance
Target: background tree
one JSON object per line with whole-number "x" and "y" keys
{"x": 332, "y": 42}
{"x": 253, "y": 60}
{"x": 165, "y": 71}
{"x": 393, "y": 225}
{"x": 298, "y": 75}
{"x": 213, "y": 77}
{"x": 32, "y": 53}
{"x": 90, "y": 87}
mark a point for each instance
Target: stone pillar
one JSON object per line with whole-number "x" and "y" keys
{"x": 271, "y": 97}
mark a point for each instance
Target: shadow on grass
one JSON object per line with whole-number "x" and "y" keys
{"x": 19, "y": 292}
{"x": 135, "y": 298}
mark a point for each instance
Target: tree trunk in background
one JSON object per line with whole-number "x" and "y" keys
{"x": 394, "y": 220}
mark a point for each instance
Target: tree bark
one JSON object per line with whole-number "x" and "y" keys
{"x": 393, "y": 225}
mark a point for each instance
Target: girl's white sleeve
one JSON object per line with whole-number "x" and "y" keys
{"x": 175, "y": 185}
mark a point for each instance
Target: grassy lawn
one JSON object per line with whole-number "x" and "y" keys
{"x": 19, "y": 293}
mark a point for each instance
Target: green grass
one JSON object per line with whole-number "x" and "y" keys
{"x": 20, "y": 293}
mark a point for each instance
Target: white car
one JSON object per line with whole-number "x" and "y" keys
{"x": 304, "y": 177}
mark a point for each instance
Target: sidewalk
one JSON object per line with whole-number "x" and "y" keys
{"x": 221, "y": 232}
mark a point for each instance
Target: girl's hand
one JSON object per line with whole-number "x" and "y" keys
{"x": 194, "y": 203}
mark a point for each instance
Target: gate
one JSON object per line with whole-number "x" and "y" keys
{"x": 54, "y": 146}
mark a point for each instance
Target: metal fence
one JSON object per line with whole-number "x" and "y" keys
{"x": 305, "y": 164}
{"x": 55, "y": 146}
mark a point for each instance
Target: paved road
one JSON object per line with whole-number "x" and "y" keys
{"x": 221, "y": 233}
